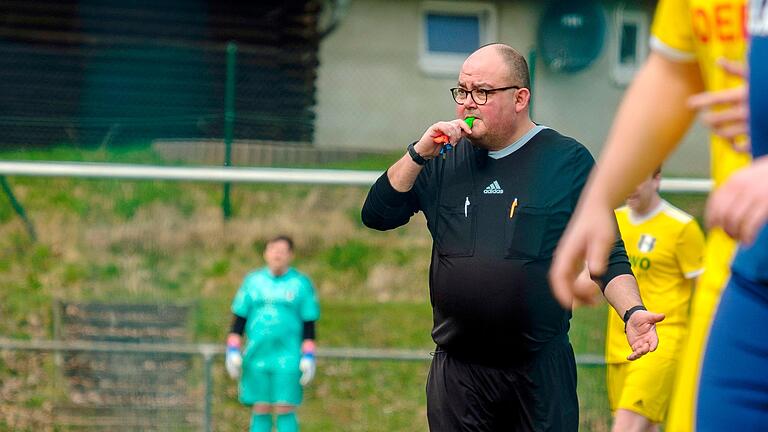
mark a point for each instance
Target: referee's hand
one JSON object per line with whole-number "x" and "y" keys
{"x": 454, "y": 130}
{"x": 641, "y": 333}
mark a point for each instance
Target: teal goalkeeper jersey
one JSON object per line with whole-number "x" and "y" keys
{"x": 275, "y": 309}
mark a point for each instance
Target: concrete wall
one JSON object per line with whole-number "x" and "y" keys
{"x": 372, "y": 93}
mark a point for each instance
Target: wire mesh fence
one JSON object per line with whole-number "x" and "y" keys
{"x": 124, "y": 386}
{"x": 104, "y": 73}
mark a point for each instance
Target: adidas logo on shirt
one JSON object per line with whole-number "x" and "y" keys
{"x": 494, "y": 188}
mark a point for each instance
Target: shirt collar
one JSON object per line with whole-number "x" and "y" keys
{"x": 637, "y": 219}
{"x": 508, "y": 150}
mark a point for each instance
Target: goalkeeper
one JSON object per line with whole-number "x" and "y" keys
{"x": 276, "y": 308}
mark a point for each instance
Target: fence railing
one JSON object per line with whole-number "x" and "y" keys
{"x": 208, "y": 352}
{"x": 245, "y": 175}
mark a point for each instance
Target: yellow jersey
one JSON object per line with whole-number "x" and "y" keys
{"x": 665, "y": 248}
{"x": 703, "y": 31}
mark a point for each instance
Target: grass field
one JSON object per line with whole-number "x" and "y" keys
{"x": 166, "y": 242}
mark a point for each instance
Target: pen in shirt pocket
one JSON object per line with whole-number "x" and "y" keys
{"x": 512, "y": 208}
{"x": 466, "y": 206}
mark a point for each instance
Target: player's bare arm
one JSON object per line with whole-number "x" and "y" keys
{"x": 644, "y": 132}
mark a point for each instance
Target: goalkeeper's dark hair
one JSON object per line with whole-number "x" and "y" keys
{"x": 282, "y": 237}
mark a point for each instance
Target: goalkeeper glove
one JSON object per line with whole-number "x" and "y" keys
{"x": 233, "y": 362}
{"x": 307, "y": 365}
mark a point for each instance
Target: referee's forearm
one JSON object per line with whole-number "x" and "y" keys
{"x": 622, "y": 293}
{"x": 403, "y": 173}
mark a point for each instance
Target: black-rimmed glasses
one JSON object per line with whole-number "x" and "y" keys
{"x": 480, "y": 96}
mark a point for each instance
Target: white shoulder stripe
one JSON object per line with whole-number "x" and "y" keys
{"x": 675, "y": 213}
{"x": 695, "y": 273}
{"x": 671, "y": 53}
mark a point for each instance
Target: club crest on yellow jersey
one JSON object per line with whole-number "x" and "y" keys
{"x": 646, "y": 243}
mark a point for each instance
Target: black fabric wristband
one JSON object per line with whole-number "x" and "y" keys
{"x": 309, "y": 330}
{"x": 629, "y": 313}
{"x": 238, "y": 325}
{"x": 415, "y": 156}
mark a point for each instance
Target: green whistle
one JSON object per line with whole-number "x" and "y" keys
{"x": 448, "y": 146}
{"x": 444, "y": 138}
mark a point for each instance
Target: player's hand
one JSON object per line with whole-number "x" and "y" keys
{"x": 308, "y": 366}
{"x": 454, "y": 130}
{"x": 726, "y": 112}
{"x": 589, "y": 237}
{"x": 233, "y": 362}
{"x": 740, "y": 205}
{"x": 641, "y": 333}
{"x": 592, "y": 292}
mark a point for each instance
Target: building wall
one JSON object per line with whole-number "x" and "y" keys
{"x": 372, "y": 93}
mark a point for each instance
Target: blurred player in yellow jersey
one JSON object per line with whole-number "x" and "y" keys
{"x": 665, "y": 247}
{"x": 702, "y": 32}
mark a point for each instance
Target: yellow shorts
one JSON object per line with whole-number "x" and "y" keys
{"x": 643, "y": 386}
{"x": 717, "y": 262}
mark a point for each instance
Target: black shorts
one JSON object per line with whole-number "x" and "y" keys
{"x": 537, "y": 396}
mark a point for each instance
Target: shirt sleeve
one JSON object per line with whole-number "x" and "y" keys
{"x": 618, "y": 261}
{"x": 241, "y": 304}
{"x": 672, "y": 32}
{"x": 310, "y": 307}
{"x": 690, "y": 250}
{"x": 385, "y": 208}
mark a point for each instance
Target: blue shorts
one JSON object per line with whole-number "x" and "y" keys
{"x": 733, "y": 389}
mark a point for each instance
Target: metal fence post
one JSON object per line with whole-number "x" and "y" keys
{"x": 229, "y": 121}
{"x": 208, "y": 371}
{"x": 18, "y": 208}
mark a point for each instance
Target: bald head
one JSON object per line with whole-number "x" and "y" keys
{"x": 517, "y": 67}
{"x": 499, "y": 75}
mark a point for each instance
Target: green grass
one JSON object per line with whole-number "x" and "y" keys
{"x": 371, "y": 163}
{"x": 402, "y": 325}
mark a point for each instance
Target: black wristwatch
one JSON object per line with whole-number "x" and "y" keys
{"x": 415, "y": 156}
{"x": 629, "y": 313}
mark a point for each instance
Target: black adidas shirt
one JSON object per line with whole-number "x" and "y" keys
{"x": 488, "y": 278}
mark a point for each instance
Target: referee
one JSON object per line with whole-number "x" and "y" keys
{"x": 496, "y": 206}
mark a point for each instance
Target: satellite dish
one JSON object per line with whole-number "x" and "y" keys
{"x": 571, "y": 34}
